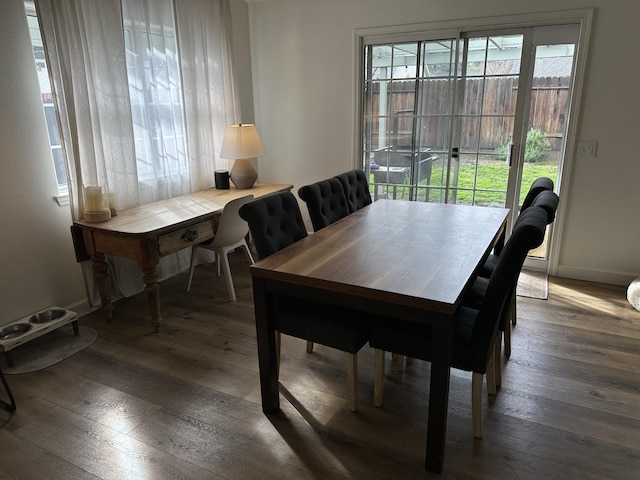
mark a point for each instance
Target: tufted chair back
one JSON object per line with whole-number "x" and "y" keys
{"x": 548, "y": 201}
{"x": 275, "y": 222}
{"x": 539, "y": 185}
{"x": 356, "y": 189}
{"x": 325, "y": 201}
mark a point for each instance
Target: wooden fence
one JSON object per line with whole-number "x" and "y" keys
{"x": 493, "y": 95}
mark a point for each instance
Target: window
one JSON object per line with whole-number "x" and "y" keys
{"x": 155, "y": 93}
{"x": 47, "y": 100}
{"x": 155, "y": 97}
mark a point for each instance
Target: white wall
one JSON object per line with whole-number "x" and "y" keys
{"x": 302, "y": 47}
{"x": 37, "y": 262}
{"x": 38, "y": 266}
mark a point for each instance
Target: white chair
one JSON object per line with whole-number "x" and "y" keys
{"x": 230, "y": 235}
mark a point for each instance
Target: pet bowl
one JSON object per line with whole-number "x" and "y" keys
{"x": 47, "y": 316}
{"x": 15, "y": 330}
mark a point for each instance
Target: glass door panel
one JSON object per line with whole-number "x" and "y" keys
{"x": 485, "y": 119}
{"x": 549, "y": 101}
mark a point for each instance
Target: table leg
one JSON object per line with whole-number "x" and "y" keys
{"x": 266, "y": 337}
{"x": 438, "y": 395}
{"x": 101, "y": 276}
{"x": 152, "y": 290}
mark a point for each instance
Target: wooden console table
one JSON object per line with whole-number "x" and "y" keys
{"x": 149, "y": 232}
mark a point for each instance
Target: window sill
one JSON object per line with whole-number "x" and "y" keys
{"x": 62, "y": 200}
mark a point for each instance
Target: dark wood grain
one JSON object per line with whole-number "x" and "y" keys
{"x": 185, "y": 403}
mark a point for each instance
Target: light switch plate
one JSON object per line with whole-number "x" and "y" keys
{"x": 587, "y": 148}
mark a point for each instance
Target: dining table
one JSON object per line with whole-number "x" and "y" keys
{"x": 412, "y": 261}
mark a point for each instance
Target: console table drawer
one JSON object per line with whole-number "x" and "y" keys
{"x": 186, "y": 236}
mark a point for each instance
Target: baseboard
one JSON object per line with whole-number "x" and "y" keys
{"x": 81, "y": 307}
{"x": 599, "y": 276}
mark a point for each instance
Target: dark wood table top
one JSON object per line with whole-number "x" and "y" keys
{"x": 409, "y": 253}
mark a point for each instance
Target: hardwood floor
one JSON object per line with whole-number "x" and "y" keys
{"x": 185, "y": 403}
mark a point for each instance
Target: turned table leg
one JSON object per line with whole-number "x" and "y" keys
{"x": 101, "y": 275}
{"x": 152, "y": 290}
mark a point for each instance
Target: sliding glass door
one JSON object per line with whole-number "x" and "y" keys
{"x": 467, "y": 117}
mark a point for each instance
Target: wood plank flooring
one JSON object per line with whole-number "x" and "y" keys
{"x": 185, "y": 403}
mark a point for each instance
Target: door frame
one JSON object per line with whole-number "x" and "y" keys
{"x": 582, "y": 17}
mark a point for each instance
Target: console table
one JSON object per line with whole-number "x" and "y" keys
{"x": 149, "y": 232}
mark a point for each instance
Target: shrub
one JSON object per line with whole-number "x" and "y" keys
{"x": 537, "y": 144}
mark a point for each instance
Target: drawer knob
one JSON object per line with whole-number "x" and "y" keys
{"x": 189, "y": 236}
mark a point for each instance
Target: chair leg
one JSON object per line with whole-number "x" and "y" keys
{"x": 309, "y": 346}
{"x": 378, "y": 382}
{"x": 507, "y": 338}
{"x": 194, "y": 253}
{"x": 223, "y": 261}
{"x": 491, "y": 374}
{"x": 11, "y": 405}
{"x": 476, "y": 404}
{"x": 352, "y": 381}
{"x": 497, "y": 365}
{"x": 247, "y": 252}
{"x": 512, "y": 309}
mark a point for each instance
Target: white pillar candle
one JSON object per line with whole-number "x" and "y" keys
{"x": 93, "y": 199}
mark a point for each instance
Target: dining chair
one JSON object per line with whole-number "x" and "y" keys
{"x": 230, "y": 234}
{"x": 326, "y": 202}
{"x": 275, "y": 222}
{"x": 475, "y": 330}
{"x": 356, "y": 189}
{"x": 548, "y": 201}
{"x": 11, "y": 404}
{"x": 540, "y": 184}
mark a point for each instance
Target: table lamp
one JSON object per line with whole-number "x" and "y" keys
{"x": 240, "y": 143}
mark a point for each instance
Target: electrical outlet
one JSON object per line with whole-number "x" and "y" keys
{"x": 587, "y": 148}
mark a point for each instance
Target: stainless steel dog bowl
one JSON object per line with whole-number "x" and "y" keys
{"x": 47, "y": 316}
{"x": 15, "y": 330}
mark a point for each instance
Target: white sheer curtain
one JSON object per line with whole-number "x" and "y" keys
{"x": 85, "y": 53}
{"x": 209, "y": 87}
{"x": 156, "y": 99}
{"x": 117, "y": 76}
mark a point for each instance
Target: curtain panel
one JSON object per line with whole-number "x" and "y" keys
{"x": 143, "y": 91}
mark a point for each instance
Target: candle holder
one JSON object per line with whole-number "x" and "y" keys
{"x": 95, "y": 208}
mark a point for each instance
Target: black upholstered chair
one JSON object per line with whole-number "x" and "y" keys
{"x": 540, "y": 184}
{"x": 475, "y": 330}
{"x": 548, "y": 201}
{"x": 326, "y": 202}
{"x": 11, "y": 404}
{"x": 356, "y": 189}
{"x": 275, "y": 222}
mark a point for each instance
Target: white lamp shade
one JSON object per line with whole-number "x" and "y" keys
{"x": 241, "y": 141}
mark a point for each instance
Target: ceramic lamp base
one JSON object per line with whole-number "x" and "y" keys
{"x": 242, "y": 174}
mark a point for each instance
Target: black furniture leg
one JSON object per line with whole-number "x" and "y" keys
{"x": 12, "y": 405}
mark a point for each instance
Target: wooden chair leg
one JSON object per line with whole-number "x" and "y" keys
{"x": 352, "y": 381}
{"x": 476, "y": 404}
{"x": 378, "y": 382}
{"x": 309, "y": 346}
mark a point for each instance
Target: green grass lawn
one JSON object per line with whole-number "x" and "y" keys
{"x": 490, "y": 182}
